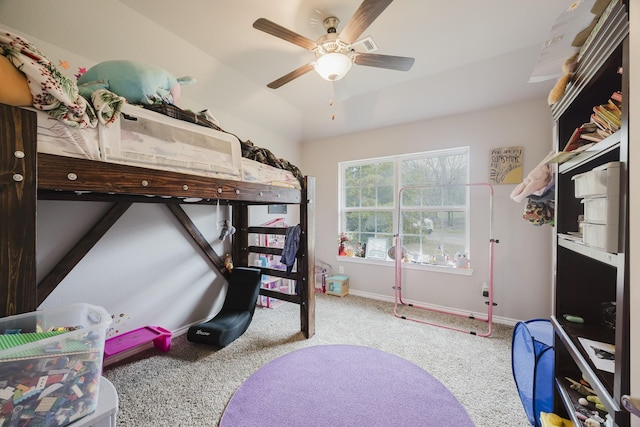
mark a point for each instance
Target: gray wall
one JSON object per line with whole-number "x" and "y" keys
{"x": 522, "y": 270}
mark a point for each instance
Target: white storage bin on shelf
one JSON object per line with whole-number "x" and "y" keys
{"x": 601, "y": 210}
{"x": 599, "y": 182}
{"x": 601, "y": 236}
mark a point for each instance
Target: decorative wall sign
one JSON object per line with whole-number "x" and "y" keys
{"x": 506, "y": 165}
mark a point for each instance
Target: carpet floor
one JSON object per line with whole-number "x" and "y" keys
{"x": 359, "y": 386}
{"x": 191, "y": 385}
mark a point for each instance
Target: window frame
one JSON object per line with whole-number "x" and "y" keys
{"x": 396, "y": 210}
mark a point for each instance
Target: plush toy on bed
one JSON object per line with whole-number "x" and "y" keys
{"x": 138, "y": 83}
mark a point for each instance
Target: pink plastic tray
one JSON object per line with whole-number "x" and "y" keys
{"x": 161, "y": 340}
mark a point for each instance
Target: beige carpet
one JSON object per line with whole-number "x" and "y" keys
{"x": 191, "y": 384}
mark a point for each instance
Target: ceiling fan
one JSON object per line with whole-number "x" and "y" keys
{"x": 335, "y": 53}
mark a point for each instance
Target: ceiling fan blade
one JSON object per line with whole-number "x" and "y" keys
{"x": 367, "y": 12}
{"x": 399, "y": 63}
{"x": 290, "y": 76}
{"x": 279, "y": 31}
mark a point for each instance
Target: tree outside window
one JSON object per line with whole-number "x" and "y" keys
{"x": 434, "y": 206}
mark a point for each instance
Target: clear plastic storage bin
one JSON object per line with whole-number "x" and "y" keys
{"x": 51, "y": 364}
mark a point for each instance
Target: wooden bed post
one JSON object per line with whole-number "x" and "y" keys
{"x": 18, "y": 211}
{"x": 306, "y": 260}
{"x": 240, "y": 247}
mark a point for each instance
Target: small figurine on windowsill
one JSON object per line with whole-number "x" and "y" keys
{"x": 343, "y": 238}
{"x": 461, "y": 260}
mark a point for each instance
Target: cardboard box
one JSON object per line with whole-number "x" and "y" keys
{"x": 338, "y": 285}
{"x": 51, "y": 364}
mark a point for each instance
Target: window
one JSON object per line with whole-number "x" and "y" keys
{"x": 434, "y": 209}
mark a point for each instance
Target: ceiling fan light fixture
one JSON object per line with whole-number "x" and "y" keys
{"x": 333, "y": 66}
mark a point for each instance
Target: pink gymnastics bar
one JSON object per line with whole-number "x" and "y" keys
{"x": 160, "y": 337}
{"x": 398, "y": 268}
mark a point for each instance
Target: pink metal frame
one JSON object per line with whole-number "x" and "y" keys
{"x": 398, "y": 267}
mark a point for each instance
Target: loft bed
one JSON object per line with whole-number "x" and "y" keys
{"x": 28, "y": 176}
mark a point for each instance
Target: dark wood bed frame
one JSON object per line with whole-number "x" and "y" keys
{"x": 26, "y": 177}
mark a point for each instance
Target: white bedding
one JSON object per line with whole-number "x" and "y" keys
{"x": 156, "y": 141}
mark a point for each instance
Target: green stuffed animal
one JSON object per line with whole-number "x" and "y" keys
{"x": 136, "y": 82}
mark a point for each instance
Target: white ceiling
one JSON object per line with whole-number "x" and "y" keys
{"x": 469, "y": 54}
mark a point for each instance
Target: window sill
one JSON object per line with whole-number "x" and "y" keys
{"x": 407, "y": 265}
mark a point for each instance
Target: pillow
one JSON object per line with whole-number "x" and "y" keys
{"x": 138, "y": 83}
{"x": 14, "y": 89}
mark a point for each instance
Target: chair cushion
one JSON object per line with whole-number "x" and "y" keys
{"x": 222, "y": 330}
{"x": 243, "y": 290}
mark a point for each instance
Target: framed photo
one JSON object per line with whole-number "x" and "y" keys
{"x": 277, "y": 209}
{"x": 376, "y": 248}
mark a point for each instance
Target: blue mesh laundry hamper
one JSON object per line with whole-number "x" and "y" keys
{"x": 532, "y": 365}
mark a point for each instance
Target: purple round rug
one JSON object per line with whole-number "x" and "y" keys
{"x": 343, "y": 385}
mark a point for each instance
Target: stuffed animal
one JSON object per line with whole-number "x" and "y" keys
{"x": 227, "y": 230}
{"x": 228, "y": 262}
{"x": 461, "y": 260}
{"x": 136, "y": 82}
{"x": 568, "y": 69}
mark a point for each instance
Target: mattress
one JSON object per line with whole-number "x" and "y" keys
{"x": 148, "y": 139}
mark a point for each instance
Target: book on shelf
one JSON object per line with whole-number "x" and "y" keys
{"x": 563, "y": 156}
{"x": 592, "y": 136}
{"x": 608, "y": 115}
{"x": 617, "y": 97}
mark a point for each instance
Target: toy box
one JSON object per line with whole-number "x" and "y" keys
{"x": 106, "y": 411}
{"x": 50, "y": 365}
{"x": 338, "y": 285}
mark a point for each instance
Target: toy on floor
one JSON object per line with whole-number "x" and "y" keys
{"x": 237, "y": 311}
{"x": 118, "y": 345}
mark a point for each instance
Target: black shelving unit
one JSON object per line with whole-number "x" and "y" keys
{"x": 586, "y": 279}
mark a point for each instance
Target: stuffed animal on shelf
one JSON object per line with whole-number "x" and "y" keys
{"x": 138, "y": 83}
{"x": 568, "y": 69}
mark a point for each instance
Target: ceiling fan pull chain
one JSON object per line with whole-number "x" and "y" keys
{"x": 332, "y": 96}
